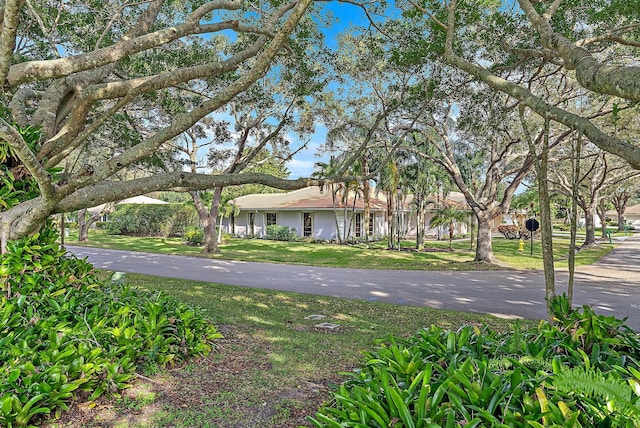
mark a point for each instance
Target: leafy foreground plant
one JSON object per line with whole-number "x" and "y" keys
{"x": 64, "y": 332}
{"x": 582, "y": 371}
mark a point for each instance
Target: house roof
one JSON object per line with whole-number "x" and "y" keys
{"x": 633, "y": 210}
{"x": 314, "y": 198}
{"x": 305, "y": 198}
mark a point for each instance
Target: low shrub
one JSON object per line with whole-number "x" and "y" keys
{"x": 581, "y": 371}
{"x": 281, "y": 233}
{"x": 64, "y": 332}
{"x": 510, "y": 231}
{"x": 152, "y": 220}
{"x": 194, "y": 236}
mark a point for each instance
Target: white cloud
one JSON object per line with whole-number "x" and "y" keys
{"x": 300, "y": 168}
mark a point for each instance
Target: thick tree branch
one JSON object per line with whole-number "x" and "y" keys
{"x": 18, "y": 104}
{"x": 11, "y": 18}
{"x": 39, "y": 70}
{"x": 184, "y": 121}
{"x": 110, "y": 191}
{"x": 74, "y": 133}
{"x": 608, "y": 143}
{"x": 621, "y": 81}
{"x": 15, "y": 140}
{"x": 240, "y": 164}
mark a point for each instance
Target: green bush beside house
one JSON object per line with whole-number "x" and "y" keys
{"x": 281, "y": 233}
{"x": 152, "y": 220}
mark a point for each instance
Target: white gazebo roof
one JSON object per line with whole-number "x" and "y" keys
{"x": 142, "y": 200}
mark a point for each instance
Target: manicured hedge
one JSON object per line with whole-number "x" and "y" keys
{"x": 152, "y": 220}
{"x": 581, "y": 371}
{"x": 63, "y": 332}
{"x": 277, "y": 232}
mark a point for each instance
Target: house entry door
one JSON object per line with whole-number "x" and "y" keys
{"x": 307, "y": 225}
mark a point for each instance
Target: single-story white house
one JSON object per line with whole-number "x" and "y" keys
{"x": 631, "y": 215}
{"x": 312, "y": 211}
{"x": 315, "y": 213}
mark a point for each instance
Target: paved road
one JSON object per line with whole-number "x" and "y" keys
{"x": 610, "y": 286}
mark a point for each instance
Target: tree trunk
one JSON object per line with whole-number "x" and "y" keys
{"x": 484, "y": 248}
{"x": 210, "y": 235}
{"x": 209, "y": 225}
{"x": 352, "y": 217}
{"x": 83, "y": 226}
{"x": 390, "y": 222}
{"x": 546, "y": 226}
{"x": 420, "y": 226}
{"x": 621, "y": 219}
{"x": 575, "y": 184}
{"x": 472, "y": 232}
{"x": 219, "y": 241}
{"x": 590, "y": 225}
{"x": 367, "y": 215}
{"x": 602, "y": 210}
{"x": 366, "y": 191}
{"x": 84, "y": 223}
{"x": 334, "y": 197}
{"x": 4, "y": 235}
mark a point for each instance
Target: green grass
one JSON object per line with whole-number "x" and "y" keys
{"x": 507, "y": 252}
{"x": 373, "y": 256}
{"x": 276, "y": 353}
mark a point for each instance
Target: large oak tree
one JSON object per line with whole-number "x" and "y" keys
{"x": 84, "y": 72}
{"x": 509, "y": 47}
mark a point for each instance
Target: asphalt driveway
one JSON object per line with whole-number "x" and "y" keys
{"x": 610, "y": 286}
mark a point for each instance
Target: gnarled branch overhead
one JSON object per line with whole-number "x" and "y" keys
{"x": 114, "y": 191}
{"x": 609, "y": 142}
{"x": 106, "y": 84}
{"x": 619, "y": 80}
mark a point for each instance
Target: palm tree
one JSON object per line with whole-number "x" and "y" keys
{"x": 388, "y": 181}
{"x": 330, "y": 171}
{"x": 449, "y": 216}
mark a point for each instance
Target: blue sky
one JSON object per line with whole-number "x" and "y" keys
{"x": 302, "y": 165}
{"x": 347, "y": 14}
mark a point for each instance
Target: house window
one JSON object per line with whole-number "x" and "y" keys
{"x": 358, "y": 225}
{"x": 307, "y": 225}
{"x": 252, "y": 223}
{"x": 272, "y": 219}
{"x": 371, "y": 219}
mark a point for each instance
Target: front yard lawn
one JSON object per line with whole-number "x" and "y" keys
{"x": 273, "y": 368}
{"x": 374, "y": 256}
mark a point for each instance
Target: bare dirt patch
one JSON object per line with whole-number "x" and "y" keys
{"x": 232, "y": 387}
